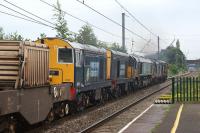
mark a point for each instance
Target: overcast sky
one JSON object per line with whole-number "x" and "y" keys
{"x": 166, "y": 18}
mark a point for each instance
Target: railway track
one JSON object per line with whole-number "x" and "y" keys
{"x": 106, "y": 119}
{"x": 102, "y": 126}
{"x": 84, "y": 122}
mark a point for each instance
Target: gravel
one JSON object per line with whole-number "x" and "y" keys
{"x": 78, "y": 122}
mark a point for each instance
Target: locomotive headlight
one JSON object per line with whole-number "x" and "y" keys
{"x": 55, "y": 92}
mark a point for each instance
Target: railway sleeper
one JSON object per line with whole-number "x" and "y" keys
{"x": 84, "y": 100}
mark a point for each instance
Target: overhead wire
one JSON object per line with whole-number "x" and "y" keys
{"x": 145, "y": 45}
{"x": 28, "y": 12}
{"x": 23, "y": 14}
{"x": 34, "y": 20}
{"x": 9, "y": 14}
{"x": 39, "y": 22}
{"x": 30, "y": 19}
{"x": 77, "y": 18}
{"x": 137, "y": 20}
{"x": 47, "y": 20}
{"x": 115, "y": 22}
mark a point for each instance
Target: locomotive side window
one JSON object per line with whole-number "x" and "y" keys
{"x": 122, "y": 70}
{"x": 65, "y": 55}
{"x": 78, "y": 58}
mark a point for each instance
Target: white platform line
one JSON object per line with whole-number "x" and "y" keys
{"x": 124, "y": 128}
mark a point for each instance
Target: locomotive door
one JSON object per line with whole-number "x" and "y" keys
{"x": 61, "y": 65}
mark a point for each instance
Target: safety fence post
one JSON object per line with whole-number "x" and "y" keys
{"x": 190, "y": 89}
{"x": 183, "y": 88}
{"x": 187, "y": 80}
{"x": 173, "y": 91}
{"x": 177, "y": 89}
{"x": 197, "y": 88}
{"x": 180, "y": 89}
{"x": 194, "y": 89}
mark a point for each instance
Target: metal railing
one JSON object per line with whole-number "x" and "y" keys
{"x": 185, "y": 89}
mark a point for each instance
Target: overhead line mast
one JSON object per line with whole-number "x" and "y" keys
{"x": 123, "y": 31}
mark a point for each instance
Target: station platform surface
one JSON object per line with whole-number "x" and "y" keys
{"x": 163, "y": 118}
{"x": 148, "y": 120}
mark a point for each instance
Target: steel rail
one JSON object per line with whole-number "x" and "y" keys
{"x": 106, "y": 119}
{"x": 101, "y": 122}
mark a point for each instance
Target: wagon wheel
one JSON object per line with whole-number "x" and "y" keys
{"x": 62, "y": 110}
{"x": 66, "y": 109}
{"x": 11, "y": 126}
{"x": 51, "y": 116}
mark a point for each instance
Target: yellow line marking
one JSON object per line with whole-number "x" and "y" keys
{"x": 173, "y": 130}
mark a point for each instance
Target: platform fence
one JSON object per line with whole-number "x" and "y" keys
{"x": 186, "y": 89}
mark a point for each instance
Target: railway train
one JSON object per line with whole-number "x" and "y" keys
{"x": 53, "y": 77}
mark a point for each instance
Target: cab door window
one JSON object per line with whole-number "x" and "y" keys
{"x": 65, "y": 55}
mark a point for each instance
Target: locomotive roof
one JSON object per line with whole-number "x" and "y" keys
{"x": 119, "y": 53}
{"x": 135, "y": 57}
{"x": 76, "y": 45}
{"x": 160, "y": 61}
{"x": 142, "y": 59}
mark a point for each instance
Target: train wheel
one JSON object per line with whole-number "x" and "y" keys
{"x": 51, "y": 116}
{"x": 11, "y": 126}
{"x": 66, "y": 109}
{"x": 62, "y": 111}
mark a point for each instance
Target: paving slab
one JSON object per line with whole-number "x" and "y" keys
{"x": 190, "y": 119}
{"x": 148, "y": 121}
{"x": 168, "y": 121}
{"x": 161, "y": 118}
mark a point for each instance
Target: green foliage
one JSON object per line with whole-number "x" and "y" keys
{"x": 175, "y": 58}
{"x": 86, "y": 35}
{"x": 178, "y": 44}
{"x": 1, "y": 33}
{"x": 103, "y": 44}
{"x": 61, "y": 24}
{"x": 11, "y": 36}
{"x": 173, "y": 69}
{"x": 112, "y": 46}
{"x": 116, "y": 47}
{"x": 43, "y": 35}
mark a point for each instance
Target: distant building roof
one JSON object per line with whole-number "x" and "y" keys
{"x": 193, "y": 61}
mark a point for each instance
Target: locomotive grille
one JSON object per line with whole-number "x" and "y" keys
{"x": 9, "y": 64}
{"x": 23, "y": 64}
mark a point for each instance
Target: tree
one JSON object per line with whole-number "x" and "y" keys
{"x": 61, "y": 24}
{"x": 174, "y": 57}
{"x": 117, "y": 47}
{"x": 1, "y": 33}
{"x": 13, "y": 36}
{"x": 87, "y": 36}
{"x": 43, "y": 35}
{"x": 102, "y": 44}
{"x": 178, "y": 44}
{"x": 113, "y": 46}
